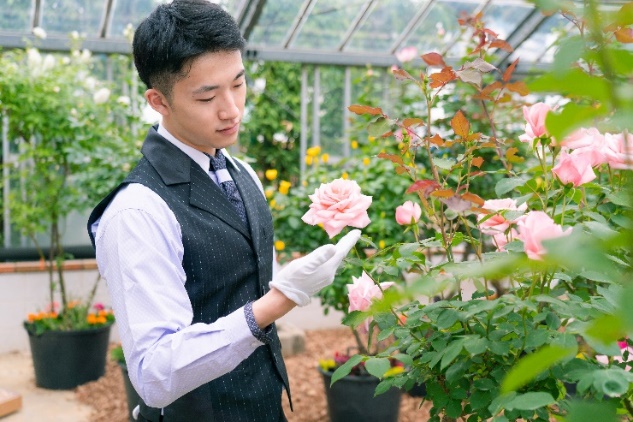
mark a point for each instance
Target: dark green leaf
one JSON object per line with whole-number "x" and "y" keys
{"x": 533, "y": 364}
{"x": 346, "y": 368}
{"x": 377, "y": 366}
{"x": 530, "y": 401}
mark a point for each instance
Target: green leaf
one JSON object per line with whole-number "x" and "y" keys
{"x": 480, "y": 399}
{"x": 626, "y": 310}
{"x": 530, "y": 366}
{"x": 406, "y": 359}
{"x": 585, "y": 411}
{"x": 355, "y": 318}
{"x": 447, "y": 318}
{"x": 454, "y": 409}
{"x": 613, "y": 381}
{"x": 506, "y": 185}
{"x": 379, "y": 127}
{"x": 476, "y": 346}
{"x": 346, "y": 368}
{"x": 530, "y": 401}
{"x": 451, "y": 352}
{"x": 568, "y": 53}
{"x": 377, "y": 366}
{"x": 444, "y": 163}
{"x": 408, "y": 249}
{"x": 572, "y": 117}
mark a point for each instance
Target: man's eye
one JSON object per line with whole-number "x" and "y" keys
{"x": 239, "y": 85}
{"x": 206, "y": 100}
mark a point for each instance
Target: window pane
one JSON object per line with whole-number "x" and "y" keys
{"x": 65, "y": 16}
{"x": 535, "y": 47}
{"x": 16, "y": 15}
{"x": 275, "y": 21}
{"x": 327, "y": 24}
{"x": 130, "y": 12}
{"x": 440, "y": 27}
{"x": 384, "y": 25}
{"x": 502, "y": 17}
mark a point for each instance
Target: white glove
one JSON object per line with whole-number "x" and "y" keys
{"x": 304, "y": 277}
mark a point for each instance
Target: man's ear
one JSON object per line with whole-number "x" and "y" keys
{"x": 157, "y": 101}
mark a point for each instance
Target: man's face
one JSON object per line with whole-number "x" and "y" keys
{"x": 206, "y": 107}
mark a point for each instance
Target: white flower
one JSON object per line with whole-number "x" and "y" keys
{"x": 85, "y": 55}
{"x": 280, "y": 137}
{"x": 74, "y": 35}
{"x": 123, "y": 99}
{"x": 34, "y": 59}
{"x": 128, "y": 32}
{"x": 49, "y": 62}
{"x": 260, "y": 138}
{"x": 55, "y": 89}
{"x": 259, "y": 85}
{"x": 101, "y": 96}
{"x": 90, "y": 82}
{"x": 39, "y": 33}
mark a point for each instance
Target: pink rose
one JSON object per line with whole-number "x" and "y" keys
{"x": 534, "y": 227}
{"x": 574, "y": 168}
{"x": 619, "y": 152}
{"x": 338, "y": 204}
{"x": 588, "y": 141}
{"x": 406, "y": 54}
{"x": 362, "y": 292}
{"x": 535, "y": 117}
{"x": 498, "y": 223}
{"x": 408, "y": 213}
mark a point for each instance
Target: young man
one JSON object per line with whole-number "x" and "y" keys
{"x": 185, "y": 242}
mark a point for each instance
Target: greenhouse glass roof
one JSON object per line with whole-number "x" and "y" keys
{"x": 345, "y": 32}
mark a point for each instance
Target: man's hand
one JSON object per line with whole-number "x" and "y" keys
{"x": 304, "y": 277}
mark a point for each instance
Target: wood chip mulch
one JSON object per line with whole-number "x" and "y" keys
{"x": 107, "y": 395}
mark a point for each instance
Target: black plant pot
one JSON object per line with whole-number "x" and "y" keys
{"x": 133, "y": 399}
{"x": 351, "y": 399}
{"x": 66, "y": 359}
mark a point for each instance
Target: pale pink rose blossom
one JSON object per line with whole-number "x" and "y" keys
{"x": 338, "y": 204}
{"x": 605, "y": 359}
{"x": 362, "y": 292}
{"x": 535, "y": 117}
{"x": 574, "y": 168}
{"x": 502, "y": 239}
{"x": 498, "y": 223}
{"x": 534, "y": 227}
{"x": 588, "y": 141}
{"x": 619, "y": 151}
{"x": 406, "y": 54}
{"x": 408, "y": 213}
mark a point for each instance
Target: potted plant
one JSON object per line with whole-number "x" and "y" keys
{"x": 555, "y": 230}
{"x": 70, "y": 142}
{"x": 541, "y": 294}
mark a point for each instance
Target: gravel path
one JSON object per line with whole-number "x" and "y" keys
{"x": 107, "y": 395}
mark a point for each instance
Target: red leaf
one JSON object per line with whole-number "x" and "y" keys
{"x": 443, "y": 193}
{"x": 624, "y": 35}
{"x": 519, "y": 87}
{"x": 437, "y": 140}
{"x": 502, "y": 45}
{"x": 460, "y": 125}
{"x": 391, "y": 157}
{"x": 402, "y": 75}
{"x": 471, "y": 197}
{"x": 508, "y": 73}
{"x": 411, "y": 121}
{"x": 362, "y": 109}
{"x": 433, "y": 59}
{"x": 442, "y": 78}
{"x": 427, "y": 186}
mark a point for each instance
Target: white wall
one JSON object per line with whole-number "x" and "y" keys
{"x": 27, "y": 292}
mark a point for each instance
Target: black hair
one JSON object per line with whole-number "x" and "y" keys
{"x": 174, "y": 34}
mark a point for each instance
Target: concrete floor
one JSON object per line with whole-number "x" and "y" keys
{"x": 38, "y": 404}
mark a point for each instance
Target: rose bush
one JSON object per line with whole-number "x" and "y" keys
{"x": 532, "y": 279}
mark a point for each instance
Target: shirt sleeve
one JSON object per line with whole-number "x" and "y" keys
{"x": 139, "y": 253}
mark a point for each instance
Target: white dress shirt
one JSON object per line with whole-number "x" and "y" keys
{"x": 139, "y": 252}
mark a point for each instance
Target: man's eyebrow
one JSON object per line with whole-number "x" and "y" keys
{"x": 207, "y": 88}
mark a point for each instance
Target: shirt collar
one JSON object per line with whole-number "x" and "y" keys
{"x": 198, "y": 156}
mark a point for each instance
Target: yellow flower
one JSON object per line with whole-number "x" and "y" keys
{"x": 269, "y": 193}
{"x": 371, "y": 138}
{"x": 354, "y": 144}
{"x": 280, "y": 245}
{"x": 327, "y": 364}
{"x": 284, "y": 186}
{"x": 309, "y": 160}
{"x": 345, "y": 175}
{"x": 394, "y": 370}
{"x": 325, "y": 158}
{"x": 271, "y": 174}
{"x": 304, "y": 183}
{"x": 314, "y": 151}
{"x": 366, "y": 161}
{"x": 382, "y": 244}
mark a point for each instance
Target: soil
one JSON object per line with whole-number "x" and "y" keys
{"x": 107, "y": 395}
